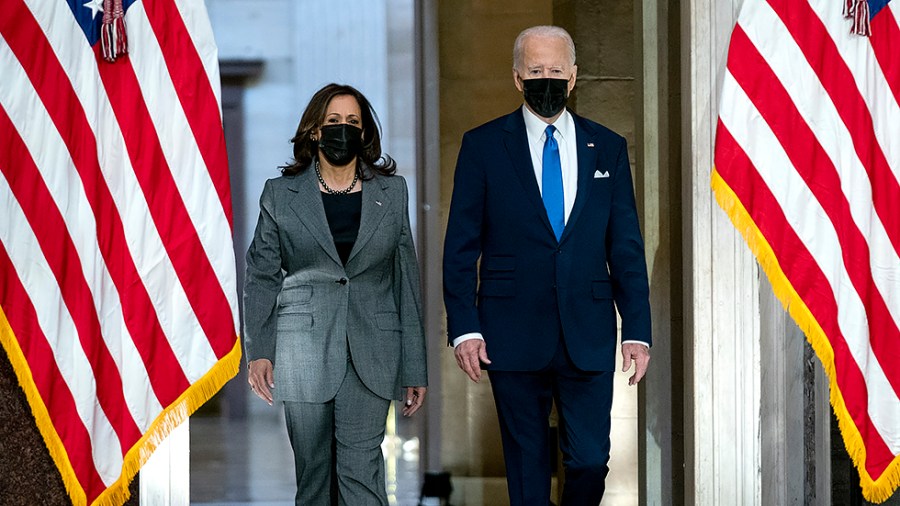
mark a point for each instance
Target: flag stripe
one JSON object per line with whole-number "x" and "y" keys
{"x": 810, "y": 223}
{"x": 885, "y": 42}
{"x": 804, "y": 273}
{"x": 52, "y": 158}
{"x": 122, "y": 256}
{"x": 57, "y": 324}
{"x": 61, "y": 102}
{"x": 200, "y": 103}
{"x": 871, "y": 84}
{"x": 776, "y": 45}
{"x": 168, "y": 210}
{"x": 170, "y": 303}
{"x": 47, "y": 378}
{"x": 174, "y": 131}
{"x": 811, "y": 162}
{"x": 43, "y": 215}
{"x": 197, "y": 23}
{"x": 807, "y": 167}
{"x": 819, "y": 49}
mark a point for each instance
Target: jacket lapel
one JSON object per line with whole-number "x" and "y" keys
{"x": 516, "y": 141}
{"x": 308, "y": 207}
{"x": 587, "y": 161}
{"x": 374, "y": 207}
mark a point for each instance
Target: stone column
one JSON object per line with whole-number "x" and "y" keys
{"x": 604, "y": 35}
{"x": 476, "y": 85}
{"x": 431, "y": 227}
{"x": 658, "y": 179}
{"x": 721, "y": 288}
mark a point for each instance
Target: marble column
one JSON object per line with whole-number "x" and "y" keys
{"x": 658, "y": 179}
{"x": 607, "y": 91}
{"x": 475, "y": 41}
{"x": 721, "y": 287}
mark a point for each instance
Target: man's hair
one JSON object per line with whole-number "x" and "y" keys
{"x": 541, "y": 31}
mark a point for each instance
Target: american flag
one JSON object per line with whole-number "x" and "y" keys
{"x": 806, "y": 165}
{"x": 118, "y": 304}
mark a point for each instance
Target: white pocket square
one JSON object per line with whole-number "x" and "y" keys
{"x": 600, "y": 175}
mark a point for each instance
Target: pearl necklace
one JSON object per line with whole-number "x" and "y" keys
{"x": 336, "y": 192}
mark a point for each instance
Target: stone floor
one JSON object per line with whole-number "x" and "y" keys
{"x": 249, "y": 461}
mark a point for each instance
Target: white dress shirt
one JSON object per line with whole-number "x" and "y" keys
{"x": 535, "y": 128}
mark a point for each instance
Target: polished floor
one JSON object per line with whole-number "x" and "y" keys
{"x": 249, "y": 461}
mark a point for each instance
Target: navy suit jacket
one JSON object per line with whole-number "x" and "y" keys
{"x": 529, "y": 289}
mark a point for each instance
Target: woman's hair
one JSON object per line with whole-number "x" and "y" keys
{"x": 305, "y": 148}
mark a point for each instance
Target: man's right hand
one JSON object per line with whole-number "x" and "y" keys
{"x": 261, "y": 378}
{"x": 469, "y": 356}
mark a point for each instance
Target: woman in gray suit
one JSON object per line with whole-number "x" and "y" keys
{"x": 332, "y": 315}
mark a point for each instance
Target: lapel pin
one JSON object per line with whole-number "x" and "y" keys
{"x": 590, "y": 144}
{"x": 378, "y": 202}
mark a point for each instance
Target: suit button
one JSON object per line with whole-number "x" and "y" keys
{"x": 342, "y": 281}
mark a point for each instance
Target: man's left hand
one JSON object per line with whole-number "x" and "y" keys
{"x": 640, "y": 355}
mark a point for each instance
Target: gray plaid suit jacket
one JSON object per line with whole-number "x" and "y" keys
{"x": 309, "y": 314}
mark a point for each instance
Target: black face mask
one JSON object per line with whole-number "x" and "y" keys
{"x": 340, "y": 143}
{"x": 546, "y": 96}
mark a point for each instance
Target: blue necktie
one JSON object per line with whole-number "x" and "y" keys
{"x": 552, "y": 185}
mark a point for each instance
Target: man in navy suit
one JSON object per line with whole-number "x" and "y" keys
{"x": 544, "y": 199}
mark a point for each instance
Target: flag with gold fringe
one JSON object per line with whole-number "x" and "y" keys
{"x": 118, "y": 300}
{"x": 807, "y": 162}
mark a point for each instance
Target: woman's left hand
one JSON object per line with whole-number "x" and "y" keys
{"x": 415, "y": 396}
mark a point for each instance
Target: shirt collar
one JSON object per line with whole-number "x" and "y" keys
{"x": 535, "y": 126}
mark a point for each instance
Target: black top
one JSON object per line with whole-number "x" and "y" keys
{"x": 343, "y": 213}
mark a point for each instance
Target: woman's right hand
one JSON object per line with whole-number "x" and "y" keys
{"x": 261, "y": 379}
